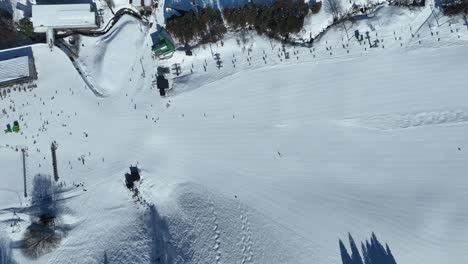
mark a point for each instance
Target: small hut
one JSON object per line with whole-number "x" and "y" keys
{"x": 162, "y": 84}
{"x": 164, "y": 47}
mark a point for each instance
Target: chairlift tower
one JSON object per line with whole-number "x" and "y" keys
{"x": 23, "y": 151}
{"x": 53, "y": 149}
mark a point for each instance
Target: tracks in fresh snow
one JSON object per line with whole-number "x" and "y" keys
{"x": 217, "y": 234}
{"x": 245, "y": 241}
{"x": 411, "y": 120}
{"x": 246, "y": 236}
{"x": 216, "y": 229}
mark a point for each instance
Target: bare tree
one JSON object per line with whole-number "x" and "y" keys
{"x": 334, "y": 8}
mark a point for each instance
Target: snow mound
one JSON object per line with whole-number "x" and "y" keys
{"x": 208, "y": 227}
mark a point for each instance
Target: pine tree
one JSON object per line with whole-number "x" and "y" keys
{"x": 345, "y": 258}
{"x": 355, "y": 256}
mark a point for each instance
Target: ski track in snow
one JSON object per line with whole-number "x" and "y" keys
{"x": 403, "y": 121}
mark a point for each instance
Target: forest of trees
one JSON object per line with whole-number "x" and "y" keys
{"x": 203, "y": 27}
{"x": 455, "y": 7}
{"x": 16, "y": 34}
{"x": 279, "y": 20}
{"x": 373, "y": 252}
{"x": 407, "y": 2}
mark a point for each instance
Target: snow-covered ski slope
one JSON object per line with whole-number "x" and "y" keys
{"x": 266, "y": 160}
{"x": 120, "y": 46}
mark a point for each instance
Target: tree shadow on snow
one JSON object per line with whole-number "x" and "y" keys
{"x": 373, "y": 252}
{"x": 163, "y": 251}
{"x": 46, "y": 230}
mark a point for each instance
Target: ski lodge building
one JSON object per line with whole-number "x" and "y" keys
{"x": 15, "y": 68}
{"x": 47, "y": 18}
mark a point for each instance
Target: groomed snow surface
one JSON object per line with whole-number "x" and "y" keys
{"x": 268, "y": 161}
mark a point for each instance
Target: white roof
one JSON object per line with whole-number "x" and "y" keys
{"x": 14, "y": 69}
{"x": 142, "y": 3}
{"x": 62, "y": 17}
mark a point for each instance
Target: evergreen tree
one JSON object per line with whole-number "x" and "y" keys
{"x": 345, "y": 258}
{"x": 25, "y": 25}
{"x": 355, "y": 256}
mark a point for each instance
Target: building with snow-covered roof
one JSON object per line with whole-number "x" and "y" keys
{"x": 47, "y": 18}
{"x": 16, "y": 70}
{"x": 72, "y": 16}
